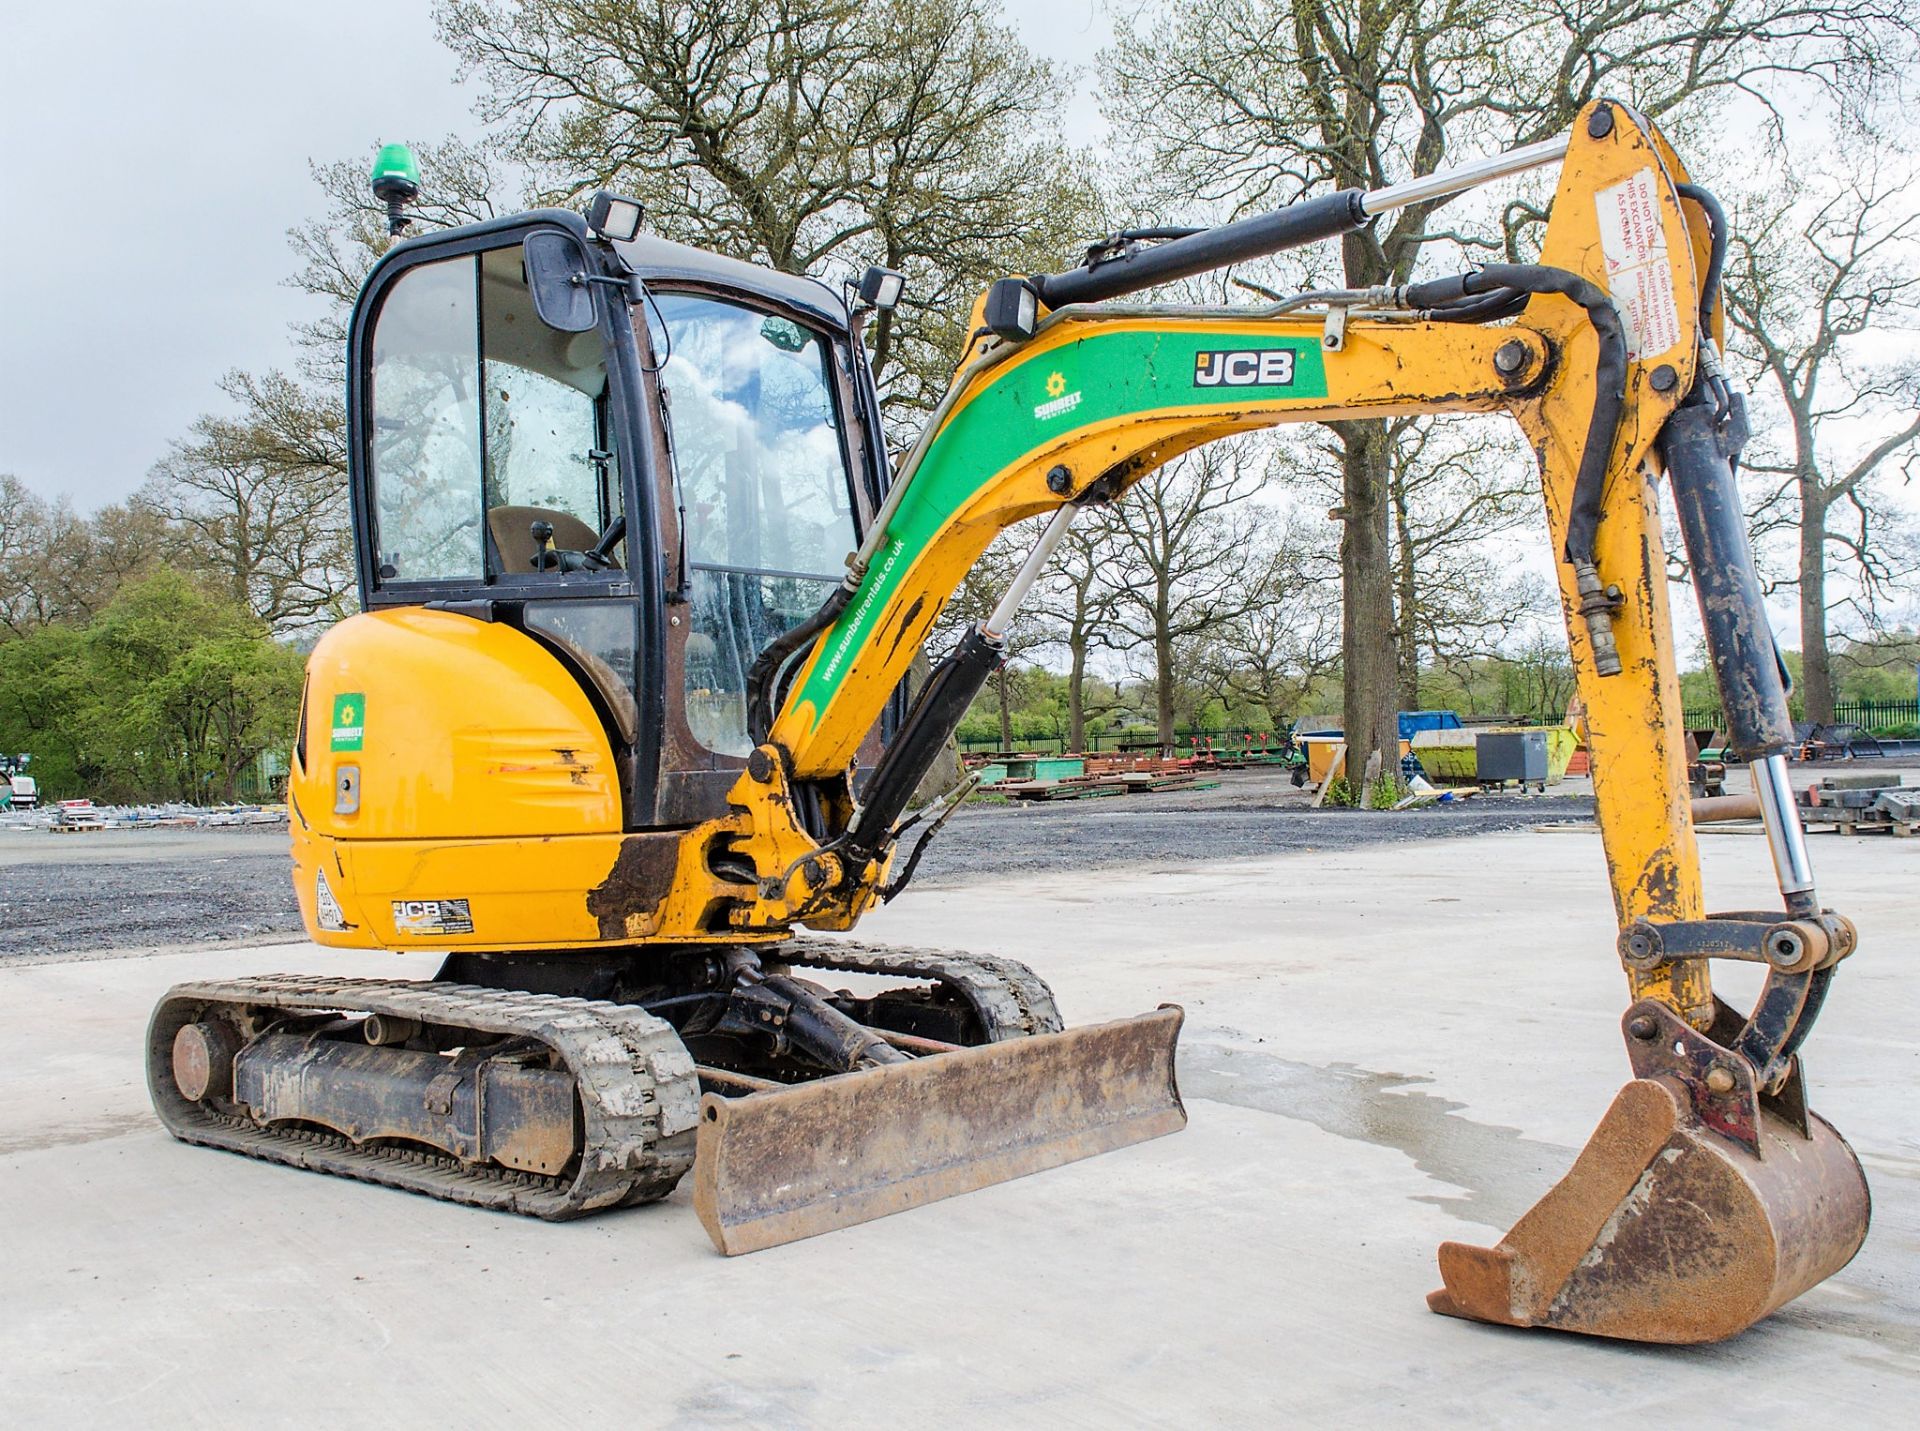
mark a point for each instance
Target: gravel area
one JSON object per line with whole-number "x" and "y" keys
{"x": 120, "y": 889}
{"x": 1250, "y": 813}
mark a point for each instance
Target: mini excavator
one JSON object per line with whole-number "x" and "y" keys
{"x": 621, "y": 716}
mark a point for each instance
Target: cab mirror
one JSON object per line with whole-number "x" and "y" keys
{"x": 557, "y": 279}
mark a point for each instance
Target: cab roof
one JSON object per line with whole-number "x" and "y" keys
{"x": 652, "y": 257}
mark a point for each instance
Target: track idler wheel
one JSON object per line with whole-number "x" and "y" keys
{"x": 1696, "y": 1208}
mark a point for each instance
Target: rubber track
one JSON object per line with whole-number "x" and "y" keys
{"x": 1011, "y": 1000}
{"x": 639, "y": 1094}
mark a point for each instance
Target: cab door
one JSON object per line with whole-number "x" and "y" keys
{"x": 502, "y": 469}
{"x": 767, "y": 489}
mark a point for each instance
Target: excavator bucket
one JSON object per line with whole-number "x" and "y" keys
{"x": 778, "y": 1166}
{"x": 1668, "y": 1229}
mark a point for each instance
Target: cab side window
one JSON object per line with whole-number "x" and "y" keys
{"x": 487, "y": 427}
{"x": 425, "y": 442}
{"x": 548, "y": 450}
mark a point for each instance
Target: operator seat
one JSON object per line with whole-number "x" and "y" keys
{"x": 511, "y": 529}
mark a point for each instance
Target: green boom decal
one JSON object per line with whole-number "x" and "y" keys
{"x": 1034, "y": 402}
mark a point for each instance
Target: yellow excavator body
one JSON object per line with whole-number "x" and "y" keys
{"x": 622, "y": 719}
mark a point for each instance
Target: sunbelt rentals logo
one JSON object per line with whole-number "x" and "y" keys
{"x": 1059, "y": 400}
{"x": 349, "y": 721}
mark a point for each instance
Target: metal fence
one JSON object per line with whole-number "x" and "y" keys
{"x": 1869, "y": 715}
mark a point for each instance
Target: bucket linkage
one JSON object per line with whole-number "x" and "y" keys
{"x": 1710, "y": 1194}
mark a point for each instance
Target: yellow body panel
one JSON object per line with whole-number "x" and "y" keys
{"x": 483, "y": 774}
{"x": 1635, "y": 726}
{"x": 470, "y": 729}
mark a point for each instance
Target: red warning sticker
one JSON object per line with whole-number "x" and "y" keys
{"x": 1634, "y": 242}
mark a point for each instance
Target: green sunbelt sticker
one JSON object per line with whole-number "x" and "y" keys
{"x": 349, "y": 721}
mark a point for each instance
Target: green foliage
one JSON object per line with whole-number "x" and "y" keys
{"x": 1339, "y": 792}
{"x": 1882, "y": 669}
{"x": 169, "y": 693}
{"x": 42, "y": 681}
{"x": 1384, "y": 793}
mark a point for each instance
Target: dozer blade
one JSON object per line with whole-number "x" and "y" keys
{"x": 1668, "y": 1231}
{"x": 775, "y": 1167}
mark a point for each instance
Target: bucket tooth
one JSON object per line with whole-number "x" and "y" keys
{"x": 1666, "y": 1230}
{"x": 775, "y": 1167}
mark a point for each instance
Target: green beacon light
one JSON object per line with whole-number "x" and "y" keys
{"x": 396, "y": 183}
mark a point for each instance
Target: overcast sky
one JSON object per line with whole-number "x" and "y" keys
{"x": 152, "y": 158}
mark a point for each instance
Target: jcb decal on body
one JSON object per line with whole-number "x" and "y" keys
{"x": 432, "y": 916}
{"x": 1244, "y": 368}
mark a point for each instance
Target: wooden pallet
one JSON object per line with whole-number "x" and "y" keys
{"x": 1858, "y": 822}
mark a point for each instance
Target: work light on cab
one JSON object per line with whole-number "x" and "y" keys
{"x": 614, "y": 218}
{"x": 881, "y": 288}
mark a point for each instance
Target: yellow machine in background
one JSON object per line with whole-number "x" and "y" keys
{"x": 622, "y": 715}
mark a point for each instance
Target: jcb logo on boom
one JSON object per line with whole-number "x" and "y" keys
{"x": 1255, "y": 368}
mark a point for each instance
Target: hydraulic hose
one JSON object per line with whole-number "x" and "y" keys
{"x": 1717, "y": 250}
{"x": 1718, "y": 388}
{"x": 1450, "y": 298}
{"x": 1488, "y": 308}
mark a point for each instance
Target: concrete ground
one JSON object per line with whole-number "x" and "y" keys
{"x": 1386, "y": 1047}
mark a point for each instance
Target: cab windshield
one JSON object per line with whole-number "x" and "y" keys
{"x": 761, "y": 473}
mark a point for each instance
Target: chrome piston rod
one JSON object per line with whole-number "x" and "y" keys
{"x": 1786, "y": 837}
{"x": 995, "y": 627}
{"x": 1462, "y": 177}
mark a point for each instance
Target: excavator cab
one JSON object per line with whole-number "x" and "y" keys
{"x": 653, "y": 481}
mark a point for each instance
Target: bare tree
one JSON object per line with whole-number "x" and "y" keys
{"x": 259, "y": 501}
{"x": 57, "y": 566}
{"x": 814, "y": 135}
{"x": 1244, "y": 104}
{"x": 1080, "y": 604}
{"x": 1185, "y": 560}
{"x": 1457, "y": 487}
{"x": 1820, "y": 268}
{"x": 26, "y": 534}
{"x": 973, "y": 602}
{"x": 1287, "y": 639}
{"x": 1538, "y": 679}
